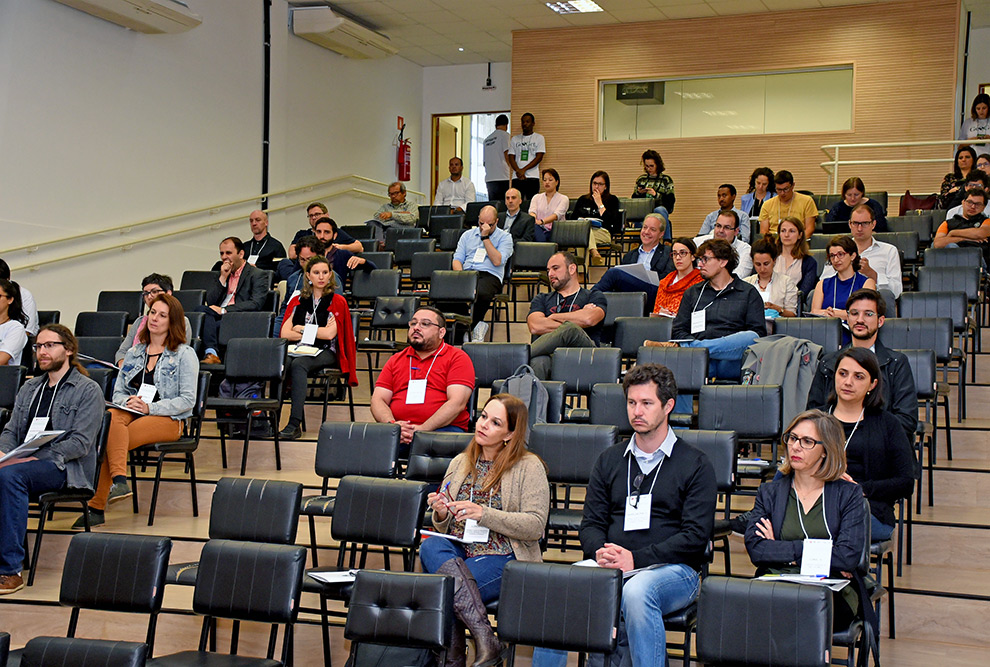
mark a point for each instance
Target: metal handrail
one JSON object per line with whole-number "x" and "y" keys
{"x": 124, "y": 229}
{"x": 831, "y": 166}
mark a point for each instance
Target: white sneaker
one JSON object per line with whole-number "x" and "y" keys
{"x": 479, "y": 332}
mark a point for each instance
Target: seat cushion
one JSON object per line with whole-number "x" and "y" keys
{"x": 850, "y": 635}
{"x": 682, "y": 619}
{"x": 722, "y": 528}
{"x": 317, "y": 505}
{"x": 219, "y": 403}
{"x": 564, "y": 519}
{"x": 182, "y": 574}
{"x": 204, "y": 659}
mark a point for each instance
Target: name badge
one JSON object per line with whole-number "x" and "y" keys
{"x": 473, "y": 532}
{"x": 524, "y": 156}
{"x": 38, "y": 425}
{"x": 147, "y": 393}
{"x": 227, "y": 301}
{"x": 309, "y": 333}
{"x": 416, "y": 393}
{"x": 638, "y": 515}
{"x": 479, "y": 255}
{"x": 253, "y": 259}
{"x": 816, "y": 558}
{"x": 697, "y": 321}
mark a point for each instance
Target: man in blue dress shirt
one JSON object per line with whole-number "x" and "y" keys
{"x": 484, "y": 249}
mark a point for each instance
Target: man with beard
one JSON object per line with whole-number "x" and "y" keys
{"x": 567, "y": 316}
{"x": 865, "y": 312}
{"x": 62, "y": 398}
{"x": 426, "y": 386}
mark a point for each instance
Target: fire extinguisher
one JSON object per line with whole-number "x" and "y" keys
{"x": 403, "y": 156}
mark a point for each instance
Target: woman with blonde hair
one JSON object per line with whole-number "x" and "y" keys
{"x": 495, "y": 498}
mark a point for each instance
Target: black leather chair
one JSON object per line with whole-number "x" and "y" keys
{"x": 431, "y": 452}
{"x": 580, "y": 368}
{"x": 11, "y": 379}
{"x": 454, "y": 292}
{"x": 106, "y": 378}
{"x": 621, "y": 304}
{"x": 922, "y": 363}
{"x": 564, "y": 607}
{"x": 569, "y": 452}
{"x": 247, "y": 510}
{"x": 529, "y": 267}
{"x": 239, "y": 325}
{"x": 219, "y": 594}
{"x": 494, "y": 361}
{"x": 181, "y": 450}
{"x": 825, "y": 331}
{"x": 198, "y": 280}
{"x": 473, "y": 210}
{"x": 102, "y": 323}
{"x": 47, "y": 502}
{"x": 381, "y": 259}
{"x": 369, "y": 511}
{"x": 83, "y": 652}
{"x": 631, "y": 332}
{"x": 449, "y": 238}
{"x": 49, "y": 317}
{"x": 252, "y": 360}
{"x": 344, "y": 449}
{"x": 855, "y": 636}
{"x": 357, "y": 232}
{"x": 572, "y": 235}
{"x": 366, "y": 286}
{"x": 395, "y": 234}
{"x": 720, "y": 448}
{"x": 607, "y": 407}
{"x": 190, "y": 299}
{"x": 446, "y": 224}
{"x": 131, "y": 302}
{"x": 753, "y": 622}
{"x": 195, "y": 324}
{"x": 400, "y": 609}
{"x": 390, "y": 314}
{"x": 100, "y": 348}
{"x": 406, "y": 249}
{"x": 752, "y": 411}
{"x": 555, "y": 402}
{"x": 690, "y": 368}
{"x": 4, "y": 648}
{"x": 428, "y": 212}
{"x": 920, "y": 224}
{"x": 424, "y": 263}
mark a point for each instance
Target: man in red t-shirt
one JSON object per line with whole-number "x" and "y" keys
{"x": 425, "y": 387}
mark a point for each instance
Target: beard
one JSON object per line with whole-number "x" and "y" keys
{"x": 53, "y": 365}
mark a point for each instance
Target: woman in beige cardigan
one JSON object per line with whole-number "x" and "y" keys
{"x": 495, "y": 499}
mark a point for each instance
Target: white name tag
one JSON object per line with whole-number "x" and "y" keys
{"x": 227, "y": 301}
{"x": 309, "y": 333}
{"x": 638, "y": 512}
{"x": 147, "y": 393}
{"x": 473, "y": 532}
{"x": 479, "y": 255}
{"x": 416, "y": 393}
{"x": 697, "y": 321}
{"x": 38, "y": 424}
{"x": 253, "y": 259}
{"x": 816, "y": 558}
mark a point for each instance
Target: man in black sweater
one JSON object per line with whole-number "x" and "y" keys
{"x": 650, "y": 507}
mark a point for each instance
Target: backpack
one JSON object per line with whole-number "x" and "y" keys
{"x": 524, "y": 385}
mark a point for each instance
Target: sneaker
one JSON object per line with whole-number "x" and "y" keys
{"x": 479, "y": 332}
{"x": 740, "y": 522}
{"x": 119, "y": 491}
{"x": 10, "y": 583}
{"x": 95, "y": 519}
{"x": 290, "y": 432}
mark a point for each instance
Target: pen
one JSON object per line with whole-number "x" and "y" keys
{"x": 443, "y": 491}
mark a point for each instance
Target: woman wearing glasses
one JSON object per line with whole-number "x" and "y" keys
{"x": 812, "y": 500}
{"x": 671, "y": 289}
{"x": 156, "y": 392}
{"x": 494, "y": 500}
{"x": 878, "y": 455}
{"x": 854, "y": 194}
{"x": 602, "y": 208}
{"x": 832, "y": 293}
{"x": 151, "y": 287}
{"x": 13, "y": 320}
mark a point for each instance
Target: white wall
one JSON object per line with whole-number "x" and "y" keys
{"x": 978, "y": 66}
{"x": 100, "y": 126}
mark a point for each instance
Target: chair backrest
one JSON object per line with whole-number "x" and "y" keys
{"x": 819, "y": 241}
{"x": 199, "y": 409}
{"x": 400, "y": 609}
{"x": 920, "y": 224}
{"x": 621, "y": 304}
{"x": 226, "y": 566}
{"x": 431, "y": 452}
{"x": 952, "y": 305}
{"x": 102, "y": 323}
{"x": 564, "y": 607}
{"x": 922, "y": 363}
{"x": 103, "y": 348}
{"x": 688, "y": 364}
{"x": 720, "y": 448}
{"x": 956, "y": 278}
{"x": 532, "y": 256}
{"x": 555, "y": 402}
{"x": 357, "y": 232}
{"x": 581, "y": 367}
{"x": 115, "y": 572}
{"x": 571, "y": 450}
{"x": 373, "y": 510}
{"x": 819, "y": 255}
{"x": 631, "y": 332}
{"x": 752, "y": 411}
{"x": 495, "y": 361}
{"x": 406, "y": 248}
{"x": 393, "y": 312}
{"x": 905, "y": 242}
{"x": 131, "y": 302}
{"x": 106, "y": 378}
{"x": 245, "y": 325}
{"x": 49, "y": 317}
{"x": 753, "y": 622}
{"x": 381, "y": 260}
{"x": 449, "y": 238}
{"x": 426, "y": 213}
{"x": 571, "y": 233}
{"x": 255, "y": 510}
{"x": 11, "y": 379}
{"x": 444, "y": 222}
{"x": 916, "y": 333}
{"x": 83, "y": 652}
{"x": 607, "y": 407}
{"x": 423, "y": 264}
{"x": 637, "y": 208}
{"x": 347, "y": 448}
{"x": 198, "y": 279}
{"x": 825, "y": 331}
{"x": 473, "y": 210}
{"x": 195, "y": 323}
{"x": 379, "y": 282}
{"x": 453, "y": 286}
{"x": 968, "y": 256}
{"x": 394, "y": 234}
{"x": 256, "y": 358}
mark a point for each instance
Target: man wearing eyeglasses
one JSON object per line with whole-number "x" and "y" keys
{"x": 314, "y": 212}
{"x": 63, "y": 399}
{"x": 878, "y": 260}
{"x": 726, "y": 196}
{"x": 651, "y": 254}
{"x": 426, "y": 386}
{"x": 971, "y": 227}
{"x": 394, "y": 212}
{"x": 152, "y": 285}
{"x": 787, "y": 204}
{"x": 726, "y": 228}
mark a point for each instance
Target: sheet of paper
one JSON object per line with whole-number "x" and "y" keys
{"x": 433, "y": 533}
{"x": 342, "y": 577}
{"x": 31, "y": 446}
{"x": 641, "y": 272}
{"x": 111, "y": 404}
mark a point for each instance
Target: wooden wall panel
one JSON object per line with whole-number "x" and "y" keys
{"x": 904, "y": 58}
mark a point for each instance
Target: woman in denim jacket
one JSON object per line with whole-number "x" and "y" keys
{"x": 156, "y": 391}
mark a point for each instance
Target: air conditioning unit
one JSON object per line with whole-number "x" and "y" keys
{"x": 147, "y": 16}
{"x": 321, "y": 26}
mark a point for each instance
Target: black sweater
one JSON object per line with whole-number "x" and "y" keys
{"x": 739, "y": 307}
{"x": 683, "y": 511}
{"x": 611, "y": 218}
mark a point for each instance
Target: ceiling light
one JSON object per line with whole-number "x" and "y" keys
{"x": 460, "y": 48}
{"x": 575, "y": 7}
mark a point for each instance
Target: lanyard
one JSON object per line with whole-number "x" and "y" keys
{"x": 253, "y": 241}
{"x": 629, "y": 475}
{"x": 835, "y": 292}
{"x": 431, "y": 364}
{"x": 48, "y": 412}
{"x": 862, "y": 412}
{"x": 800, "y": 510}
{"x": 695, "y": 309}
{"x": 562, "y": 300}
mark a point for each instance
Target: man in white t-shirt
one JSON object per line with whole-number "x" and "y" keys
{"x": 456, "y": 192}
{"x": 726, "y": 228}
{"x": 878, "y": 260}
{"x": 526, "y": 151}
{"x": 497, "y": 171}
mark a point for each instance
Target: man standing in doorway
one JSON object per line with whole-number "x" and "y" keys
{"x": 526, "y": 151}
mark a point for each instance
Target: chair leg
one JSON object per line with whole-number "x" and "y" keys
{"x": 312, "y": 539}
{"x": 247, "y": 438}
{"x": 278, "y": 452}
{"x": 42, "y": 518}
{"x": 891, "y": 632}
{"x": 223, "y": 446}
{"x": 154, "y": 489}
{"x": 350, "y": 402}
{"x": 134, "y": 493}
{"x": 325, "y": 627}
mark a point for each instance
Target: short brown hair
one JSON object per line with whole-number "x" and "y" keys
{"x": 721, "y": 250}
{"x": 318, "y": 205}
{"x": 833, "y": 439}
{"x": 176, "y": 334}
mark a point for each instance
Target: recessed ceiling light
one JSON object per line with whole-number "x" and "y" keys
{"x": 460, "y": 48}
{"x": 574, "y": 7}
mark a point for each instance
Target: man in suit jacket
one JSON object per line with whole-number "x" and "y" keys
{"x": 652, "y": 254}
{"x": 521, "y": 225}
{"x": 239, "y": 288}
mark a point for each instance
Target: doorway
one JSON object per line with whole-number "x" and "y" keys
{"x": 463, "y": 136}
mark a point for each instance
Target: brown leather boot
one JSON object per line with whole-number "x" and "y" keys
{"x": 659, "y": 343}
{"x": 457, "y": 651}
{"x": 471, "y": 611}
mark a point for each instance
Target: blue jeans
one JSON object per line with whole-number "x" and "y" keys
{"x": 487, "y": 570}
{"x": 879, "y": 531}
{"x": 725, "y": 354}
{"x": 646, "y": 598}
{"x": 668, "y": 233}
{"x": 617, "y": 280}
{"x": 18, "y": 483}
{"x": 541, "y": 235}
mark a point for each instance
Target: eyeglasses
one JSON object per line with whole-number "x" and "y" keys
{"x": 318, "y": 214}
{"x": 51, "y": 345}
{"x": 974, "y": 204}
{"x": 637, "y": 482}
{"x": 806, "y": 442}
{"x": 425, "y": 324}
{"x": 834, "y": 256}
{"x": 395, "y": 194}
{"x": 857, "y": 223}
{"x": 704, "y": 259}
{"x": 680, "y": 253}
{"x": 864, "y": 313}
{"x": 600, "y": 184}
{"x": 149, "y": 293}
{"x": 724, "y": 227}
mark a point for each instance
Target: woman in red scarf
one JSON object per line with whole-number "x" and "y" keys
{"x": 674, "y": 284}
